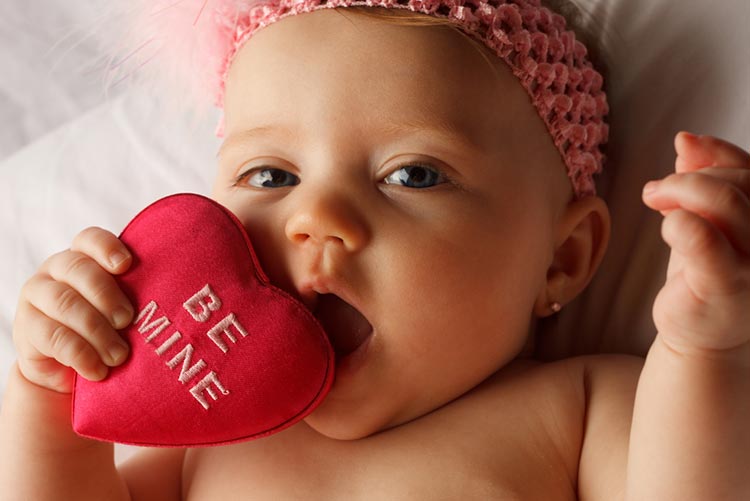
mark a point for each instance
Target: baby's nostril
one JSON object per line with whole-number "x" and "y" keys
{"x": 299, "y": 238}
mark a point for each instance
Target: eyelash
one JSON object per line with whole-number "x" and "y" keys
{"x": 249, "y": 172}
{"x": 442, "y": 178}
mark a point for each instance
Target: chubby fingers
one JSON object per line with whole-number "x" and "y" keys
{"x": 72, "y": 306}
{"x": 721, "y": 197}
{"x": 80, "y": 273}
{"x": 103, "y": 247}
{"x": 696, "y": 152}
{"x": 711, "y": 262}
{"x": 50, "y": 341}
{"x": 74, "y": 311}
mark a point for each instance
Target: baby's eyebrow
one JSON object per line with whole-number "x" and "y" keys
{"x": 237, "y": 138}
{"x": 445, "y": 129}
{"x": 445, "y": 132}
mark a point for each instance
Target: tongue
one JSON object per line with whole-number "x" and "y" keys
{"x": 347, "y": 329}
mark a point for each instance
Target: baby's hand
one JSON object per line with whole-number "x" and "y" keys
{"x": 705, "y": 303}
{"x": 68, "y": 312}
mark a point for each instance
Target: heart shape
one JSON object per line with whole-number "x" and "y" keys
{"x": 218, "y": 354}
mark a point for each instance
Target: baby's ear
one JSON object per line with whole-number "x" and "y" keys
{"x": 581, "y": 238}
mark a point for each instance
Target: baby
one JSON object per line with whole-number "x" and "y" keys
{"x": 395, "y": 175}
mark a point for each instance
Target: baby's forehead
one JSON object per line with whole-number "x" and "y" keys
{"x": 357, "y": 47}
{"x": 389, "y": 76}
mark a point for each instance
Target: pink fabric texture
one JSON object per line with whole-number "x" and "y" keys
{"x": 549, "y": 62}
{"x": 218, "y": 355}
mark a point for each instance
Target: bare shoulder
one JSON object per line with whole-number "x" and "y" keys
{"x": 154, "y": 474}
{"x": 581, "y": 387}
{"x": 574, "y": 413}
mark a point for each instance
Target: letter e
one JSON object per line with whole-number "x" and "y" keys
{"x": 223, "y": 328}
{"x": 205, "y": 385}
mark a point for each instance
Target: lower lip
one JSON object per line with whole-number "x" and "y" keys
{"x": 352, "y": 362}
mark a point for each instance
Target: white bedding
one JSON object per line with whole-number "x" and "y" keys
{"x": 676, "y": 64}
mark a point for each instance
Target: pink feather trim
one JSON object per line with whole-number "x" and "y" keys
{"x": 182, "y": 45}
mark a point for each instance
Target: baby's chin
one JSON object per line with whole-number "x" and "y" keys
{"x": 338, "y": 427}
{"x": 337, "y": 423}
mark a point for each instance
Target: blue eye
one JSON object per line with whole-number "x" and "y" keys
{"x": 269, "y": 177}
{"x": 415, "y": 176}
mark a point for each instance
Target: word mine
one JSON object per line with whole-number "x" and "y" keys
{"x": 200, "y": 307}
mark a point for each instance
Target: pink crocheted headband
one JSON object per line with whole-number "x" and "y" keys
{"x": 546, "y": 57}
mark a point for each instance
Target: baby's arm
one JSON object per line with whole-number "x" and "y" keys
{"x": 64, "y": 323}
{"x": 690, "y": 437}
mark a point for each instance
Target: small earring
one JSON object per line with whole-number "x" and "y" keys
{"x": 555, "y": 307}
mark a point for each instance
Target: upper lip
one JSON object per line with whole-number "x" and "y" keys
{"x": 311, "y": 288}
{"x": 338, "y": 310}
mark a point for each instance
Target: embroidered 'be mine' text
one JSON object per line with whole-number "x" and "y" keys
{"x": 200, "y": 306}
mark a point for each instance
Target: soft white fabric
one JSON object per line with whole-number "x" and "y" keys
{"x": 48, "y": 69}
{"x": 675, "y": 64}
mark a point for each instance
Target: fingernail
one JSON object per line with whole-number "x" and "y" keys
{"x": 121, "y": 317}
{"x": 117, "y": 353}
{"x": 117, "y": 258}
{"x": 650, "y": 187}
{"x": 100, "y": 372}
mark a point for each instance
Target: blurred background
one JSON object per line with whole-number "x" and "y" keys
{"x": 50, "y": 70}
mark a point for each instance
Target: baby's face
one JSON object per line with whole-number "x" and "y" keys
{"x": 405, "y": 191}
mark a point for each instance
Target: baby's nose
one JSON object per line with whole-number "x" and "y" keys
{"x": 329, "y": 218}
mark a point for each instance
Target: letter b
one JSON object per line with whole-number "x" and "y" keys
{"x": 199, "y": 308}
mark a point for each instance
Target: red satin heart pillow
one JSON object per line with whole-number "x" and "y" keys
{"x": 218, "y": 354}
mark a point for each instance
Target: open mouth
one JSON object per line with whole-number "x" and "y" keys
{"x": 346, "y": 327}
